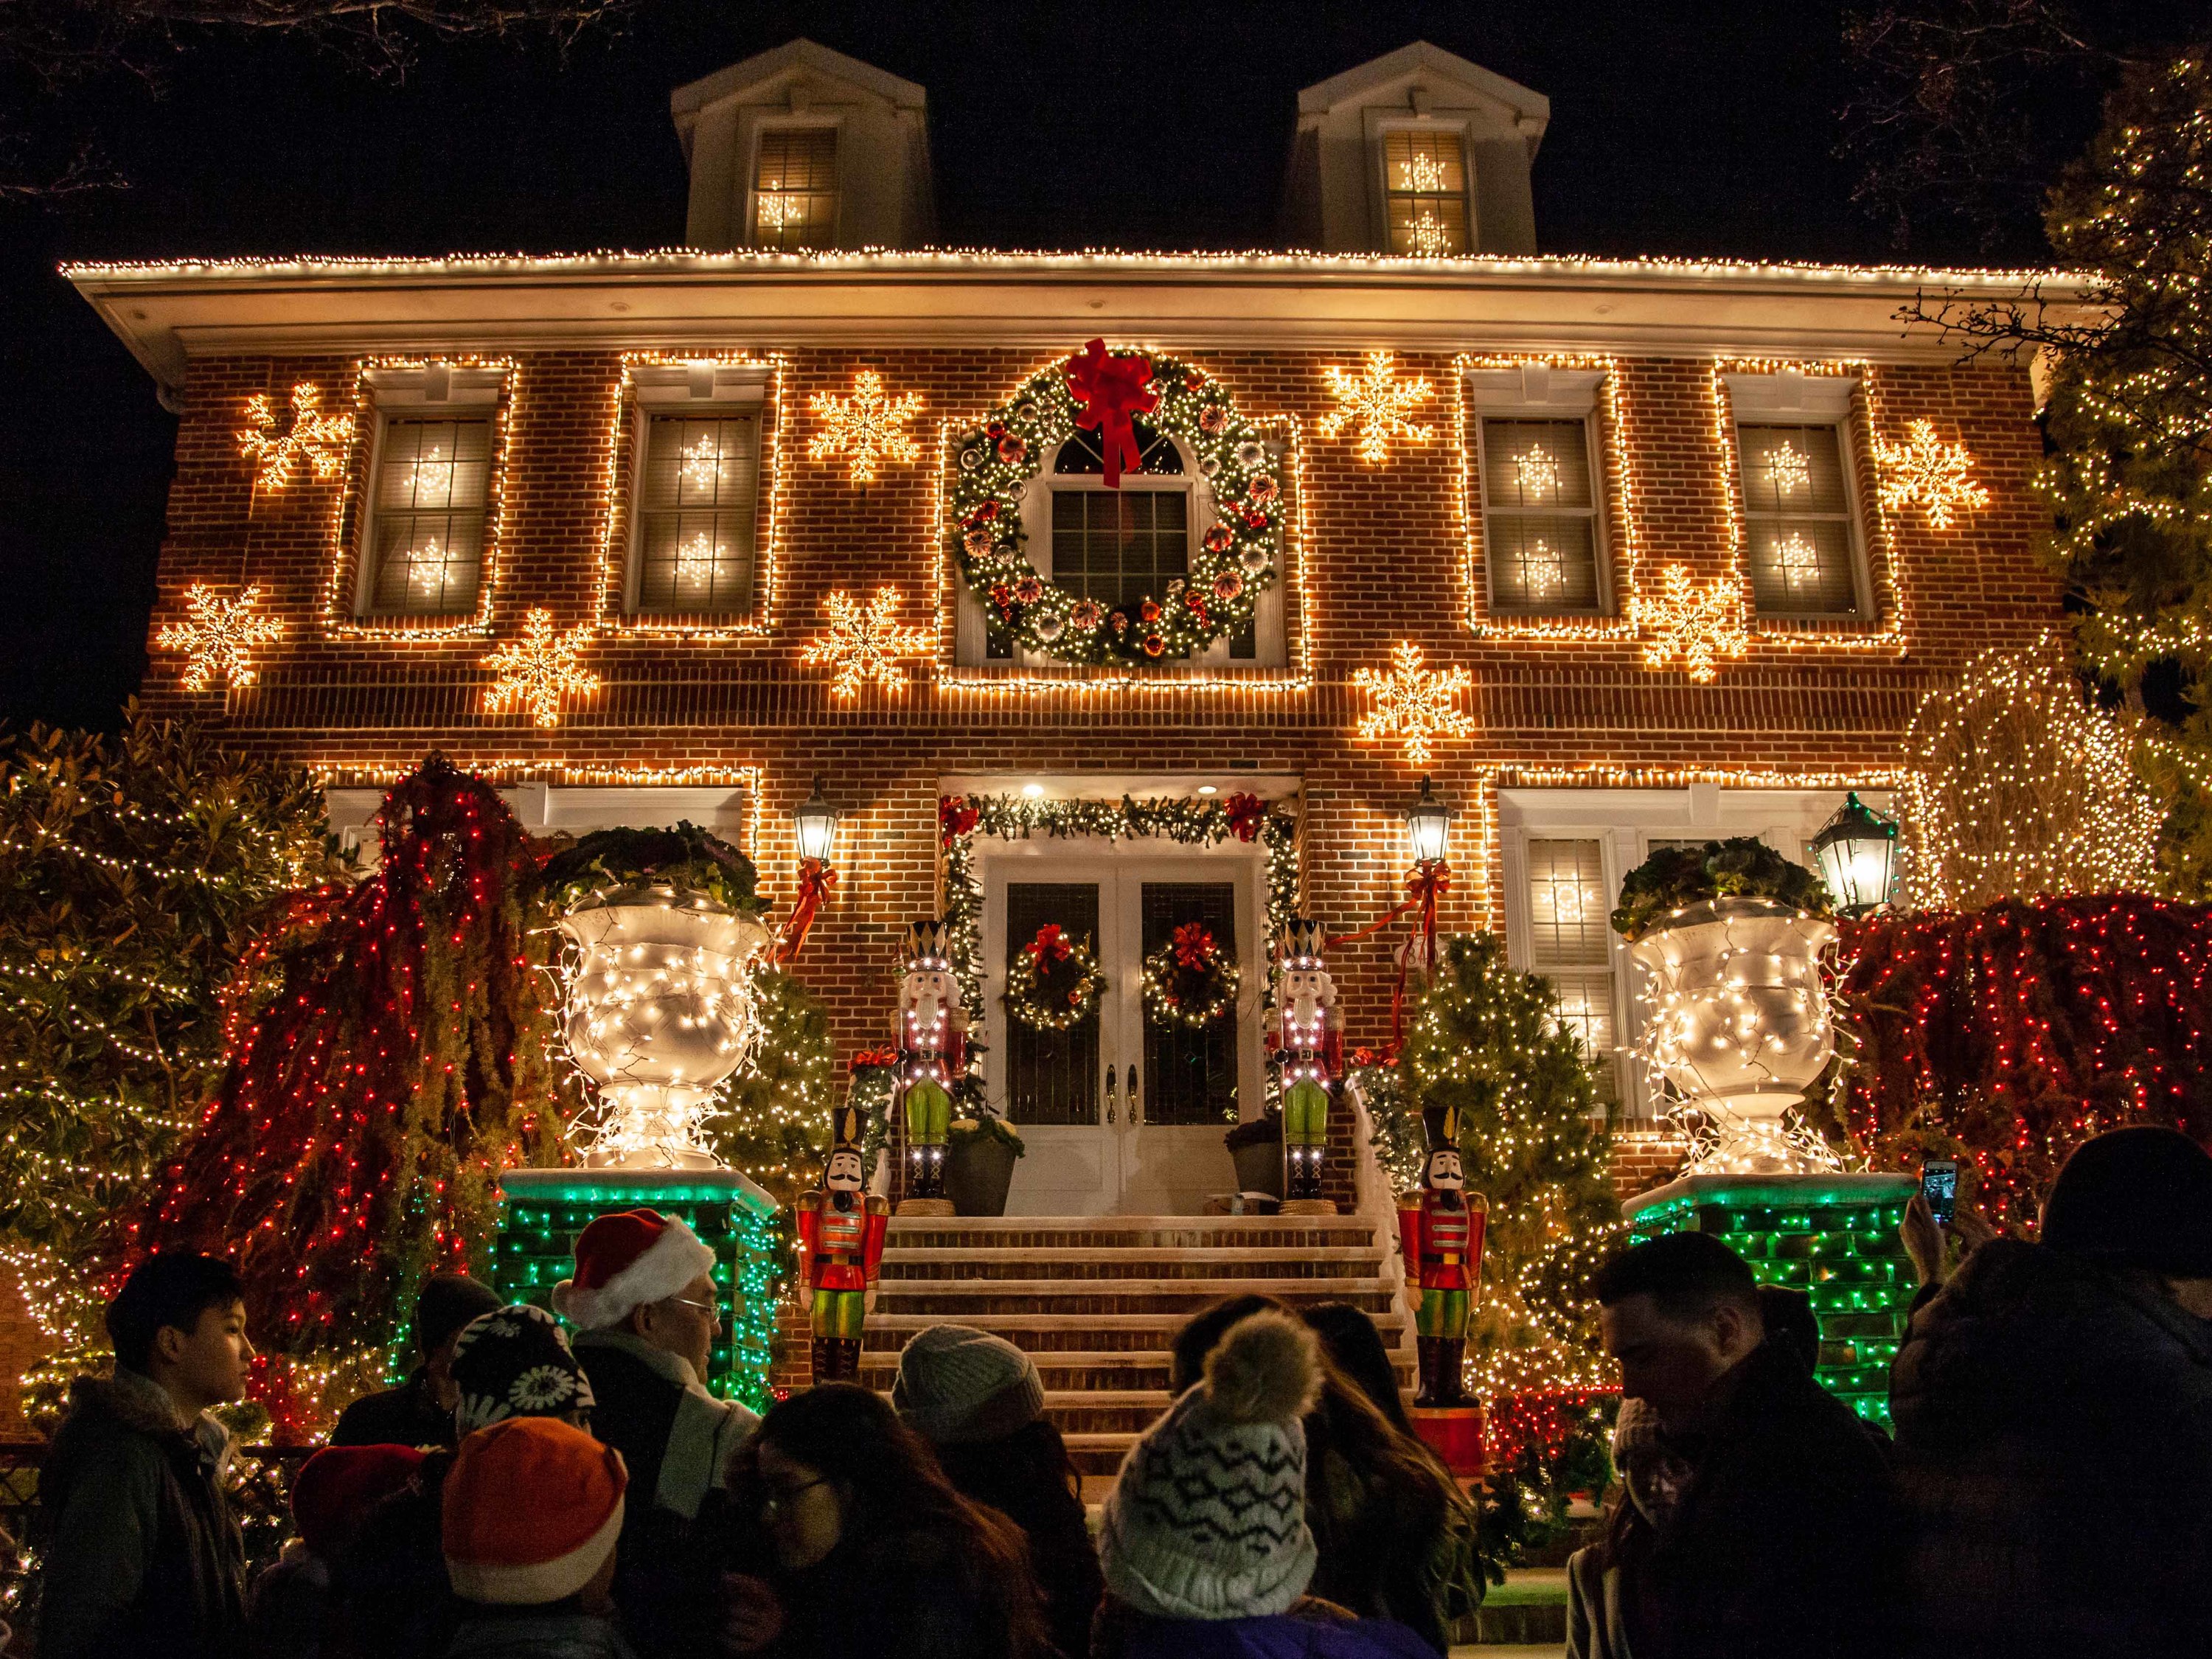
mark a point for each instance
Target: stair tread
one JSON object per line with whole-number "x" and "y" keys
{"x": 889, "y": 1284}
{"x": 1078, "y": 1398}
{"x": 1102, "y": 1223}
{"x": 1043, "y": 1253}
{"x": 1052, "y": 1322}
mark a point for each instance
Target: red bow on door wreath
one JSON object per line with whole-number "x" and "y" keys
{"x": 1111, "y": 389}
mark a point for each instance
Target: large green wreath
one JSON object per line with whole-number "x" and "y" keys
{"x": 1054, "y": 982}
{"x": 1239, "y": 556}
{"x": 1190, "y": 981}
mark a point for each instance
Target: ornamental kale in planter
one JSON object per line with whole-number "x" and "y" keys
{"x": 1675, "y": 878}
{"x": 688, "y": 857}
{"x": 986, "y": 1127}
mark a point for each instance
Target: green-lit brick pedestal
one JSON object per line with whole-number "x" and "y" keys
{"x": 547, "y": 1208}
{"x": 1833, "y": 1237}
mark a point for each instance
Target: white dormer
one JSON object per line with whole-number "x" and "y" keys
{"x": 1418, "y": 152}
{"x": 804, "y": 146}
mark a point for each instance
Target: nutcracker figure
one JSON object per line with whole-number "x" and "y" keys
{"x": 1442, "y": 1233}
{"x": 1309, "y": 1034}
{"x": 841, "y": 1245}
{"x": 933, "y": 1041}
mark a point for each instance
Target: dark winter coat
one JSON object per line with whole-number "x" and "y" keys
{"x": 537, "y": 1633}
{"x": 290, "y": 1606}
{"x": 675, "y": 1439}
{"x": 143, "y": 1554}
{"x": 1785, "y": 1545}
{"x": 1312, "y": 1629}
{"x": 408, "y": 1415}
{"x": 899, "y": 1595}
{"x": 394, "y": 1601}
{"x": 2054, "y": 1446}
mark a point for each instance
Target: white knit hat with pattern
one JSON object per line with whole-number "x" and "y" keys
{"x": 1207, "y": 1519}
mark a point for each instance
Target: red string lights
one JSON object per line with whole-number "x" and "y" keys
{"x": 2009, "y": 1036}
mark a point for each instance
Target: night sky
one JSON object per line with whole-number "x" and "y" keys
{"x": 1705, "y": 129}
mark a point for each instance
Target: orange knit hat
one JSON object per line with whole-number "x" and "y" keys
{"x": 533, "y": 1509}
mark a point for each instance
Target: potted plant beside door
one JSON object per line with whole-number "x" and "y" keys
{"x": 979, "y": 1164}
{"x": 1257, "y": 1146}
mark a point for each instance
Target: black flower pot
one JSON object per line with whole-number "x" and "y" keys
{"x": 978, "y": 1170}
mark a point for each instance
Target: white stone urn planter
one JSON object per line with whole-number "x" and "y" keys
{"x": 659, "y": 1013}
{"x": 1739, "y": 1022}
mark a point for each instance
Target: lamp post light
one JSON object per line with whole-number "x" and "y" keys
{"x": 1856, "y": 853}
{"x": 1428, "y": 829}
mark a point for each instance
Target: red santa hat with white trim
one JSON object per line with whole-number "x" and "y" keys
{"x": 625, "y": 1260}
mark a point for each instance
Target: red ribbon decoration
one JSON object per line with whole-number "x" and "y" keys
{"x": 1193, "y": 948}
{"x": 1050, "y": 946}
{"x": 1111, "y": 389}
{"x": 1422, "y": 888}
{"x": 816, "y": 879}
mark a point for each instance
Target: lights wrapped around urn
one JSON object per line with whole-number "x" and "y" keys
{"x": 660, "y": 1014}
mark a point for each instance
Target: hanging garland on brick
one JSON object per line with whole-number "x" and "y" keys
{"x": 1190, "y": 983}
{"x": 1239, "y": 555}
{"x": 1052, "y": 983}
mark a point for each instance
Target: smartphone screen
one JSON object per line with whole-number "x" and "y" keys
{"x": 1938, "y": 1185}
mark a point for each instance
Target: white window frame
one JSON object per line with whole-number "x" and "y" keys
{"x": 830, "y": 120}
{"x": 1791, "y": 398}
{"x": 1378, "y": 127}
{"x": 1628, "y": 822}
{"x": 430, "y": 389}
{"x": 1537, "y": 391}
{"x": 1271, "y": 645}
{"x": 705, "y": 390}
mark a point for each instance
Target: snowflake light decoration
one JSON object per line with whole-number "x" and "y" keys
{"x": 1423, "y": 173}
{"x": 703, "y": 462}
{"x": 1926, "y": 469}
{"x": 540, "y": 671}
{"x": 281, "y": 440}
{"x": 869, "y": 427}
{"x": 1791, "y": 470}
{"x": 1413, "y": 704}
{"x": 1378, "y": 402}
{"x": 1535, "y": 471}
{"x": 864, "y": 642}
{"x": 219, "y": 640}
{"x": 1698, "y": 621}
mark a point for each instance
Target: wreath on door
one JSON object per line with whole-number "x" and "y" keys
{"x": 1190, "y": 981}
{"x": 1054, "y": 982}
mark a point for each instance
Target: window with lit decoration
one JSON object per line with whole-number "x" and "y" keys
{"x": 425, "y": 528}
{"x": 1798, "y": 528}
{"x": 795, "y": 187}
{"x": 1571, "y": 938}
{"x": 1539, "y": 526}
{"x": 1424, "y": 191}
{"x": 697, "y": 497}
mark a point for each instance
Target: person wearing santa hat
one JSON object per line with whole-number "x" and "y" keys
{"x": 646, "y": 1309}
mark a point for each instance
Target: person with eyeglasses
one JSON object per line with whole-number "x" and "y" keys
{"x": 647, "y": 1311}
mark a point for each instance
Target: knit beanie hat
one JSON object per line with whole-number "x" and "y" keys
{"x": 445, "y": 1304}
{"x": 2138, "y": 1197}
{"x": 957, "y": 1385}
{"x": 516, "y": 1362}
{"x": 531, "y": 1511}
{"x": 1207, "y": 1519}
{"x": 625, "y": 1260}
{"x": 337, "y": 1487}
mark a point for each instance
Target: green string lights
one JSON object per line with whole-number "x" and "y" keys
{"x": 1834, "y": 1237}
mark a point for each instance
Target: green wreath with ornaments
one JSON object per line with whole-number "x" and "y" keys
{"x": 1239, "y": 556}
{"x": 1053, "y": 983}
{"x": 1190, "y": 981}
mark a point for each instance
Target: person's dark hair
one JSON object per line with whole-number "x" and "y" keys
{"x": 1001, "y": 1471}
{"x": 894, "y": 1487}
{"x": 2138, "y": 1197}
{"x": 1353, "y": 1343}
{"x": 447, "y": 1304}
{"x": 172, "y": 1289}
{"x": 1791, "y": 1324}
{"x": 1687, "y": 1275}
{"x": 1202, "y": 1333}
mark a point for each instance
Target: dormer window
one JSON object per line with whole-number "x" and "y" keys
{"x": 1425, "y": 195}
{"x": 795, "y": 188}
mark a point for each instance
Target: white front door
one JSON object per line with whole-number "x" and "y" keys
{"x": 1121, "y": 1116}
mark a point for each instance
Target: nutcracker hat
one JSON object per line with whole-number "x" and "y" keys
{"x": 925, "y": 941}
{"x": 1303, "y": 936}
{"x": 847, "y": 1129}
{"x": 625, "y": 1260}
{"x": 1440, "y": 1127}
{"x": 530, "y": 1512}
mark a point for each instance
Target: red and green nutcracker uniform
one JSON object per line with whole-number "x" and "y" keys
{"x": 1441, "y": 1233}
{"x": 1308, "y": 1032}
{"x": 933, "y": 1041}
{"x": 840, "y": 1247}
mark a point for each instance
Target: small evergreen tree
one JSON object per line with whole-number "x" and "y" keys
{"x": 774, "y": 1119}
{"x": 1534, "y": 1137}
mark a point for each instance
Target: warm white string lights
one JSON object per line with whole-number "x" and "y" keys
{"x": 219, "y": 638}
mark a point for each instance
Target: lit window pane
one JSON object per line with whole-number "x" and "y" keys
{"x": 1569, "y": 913}
{"x": 696, "y": 500}
{"x": 1424, "y": 178}
{"x": 1586, "y": 1009}
{"x": 1798, "y": 514}
{"x": 1540, "y": 523}
{"x": 432, "y": 479}
{"x": 1119, "y": 547}
{"x": 795, "y": 188}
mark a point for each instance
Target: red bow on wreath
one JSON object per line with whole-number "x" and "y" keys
{"x": 1247, "y": 812}
{"x": 868, "y": 1057}
{"x": 955, "y": 818}
{"x": 1193, "y": 948}
{"x": 1111, "y": 389}
{"x": 1050, "y": 946}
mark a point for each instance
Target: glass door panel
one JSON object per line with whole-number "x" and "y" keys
{"x": 1051, "y": 1077}
{"x": 1190, "y": 1077}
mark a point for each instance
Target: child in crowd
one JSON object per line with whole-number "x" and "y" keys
{"x": 289, "y": 1609}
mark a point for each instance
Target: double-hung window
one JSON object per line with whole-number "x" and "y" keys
{"x": 1538, "y": 477}
{"x": 696, "y": 490}
{"x": 424, "y": 533}
{"x": 795, "y": 187}
{"x": 1424, "y": 191}
{"x": 1571, "y": 938}
{"x": 1801, "y": 537}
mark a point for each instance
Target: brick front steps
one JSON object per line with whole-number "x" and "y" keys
{"x": 1096, "y": 1300}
